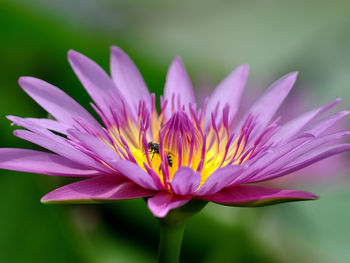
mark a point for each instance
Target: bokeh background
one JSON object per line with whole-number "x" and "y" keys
{"x": 212, "y": 37}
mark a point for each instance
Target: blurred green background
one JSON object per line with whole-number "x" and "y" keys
{"x": 212, "y": 37}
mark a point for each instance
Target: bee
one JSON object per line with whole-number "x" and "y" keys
{"x": 153, "y": 148}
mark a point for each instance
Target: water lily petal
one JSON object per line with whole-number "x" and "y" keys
{"x": 307, "y": 160}
{"x": 292, "y": 127}
{"x": 42, "y": 163}
{"x": 163, "y": 202}
{"x": 59, "y": 145}
{"x": 298, "y": 154}
{"x": 95, "y": 80}
{"x": 44, "y": 123}
{"x": 256, "y": 195}
{"x": 128, "y": 79}
{"x": 178, "y": 88}
{"x": 129, "y": 169}
{"x": 219, "y": 179}
{"x": 270, "y": 101}
{"x": 185, "y": 181}
{"x": 98, "y": 189}
{"x": 55, "y": 101}
{"x": 324, "y": 124}
{"x": 228, "y": 92}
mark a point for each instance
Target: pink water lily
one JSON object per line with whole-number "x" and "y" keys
{"x": 181, "y": 153}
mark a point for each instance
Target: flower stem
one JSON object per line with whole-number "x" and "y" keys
{"x": 170, "y": 241}
{"x": 172, "y": 228}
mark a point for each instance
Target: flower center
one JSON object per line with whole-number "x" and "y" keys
{"x": 161, "y": 147}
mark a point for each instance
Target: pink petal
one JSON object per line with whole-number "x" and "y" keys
{"x": 262, "y": 164}
{"x": 299, "y": 154}
{"x": 128, "y": 79}
{"x": 98, "y": 189}
{"x": 41, "y": 162}
{"x": 163, "y": 202}
{"x": 271, "y": 100}
{"x": 256, "y": 195}
{"x": 95, "y": 80}
{"x": 308, "y": 159}
{"x": 185, "y": 181}
{"x": 228, "y": 92}
{"x": 135, "y": 173}
{"x": 56, "y": 144}
{"x": 326, "y": 123}
{"x": 55, "y": 101}
{"x": 178, "y": 88}
{"x": 294, "y": 126}
{"x": 219, "y": 179}
{"x": 130, "y": 170}
{"x": 44, "y": 123}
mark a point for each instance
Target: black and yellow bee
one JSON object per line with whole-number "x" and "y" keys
{"x": 153, "y": 148}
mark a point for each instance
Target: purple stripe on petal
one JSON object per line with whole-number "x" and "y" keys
{"x": 185, "y": 181}
{"x": 42, "y": 163}
{"x": 256, "y": 195}
{"x": 228, "y": 92}
{"x": 55, "y": 101}
{"x": 128, "y": 79}
{"x": 163, "y": 202}
{"x": 219, "y": 179}
{"x": 178, "y": 87}
{"x": 98, "y": 189}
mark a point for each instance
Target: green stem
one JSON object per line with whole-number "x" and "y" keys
{"x": 172, "y": 228}
{"x": 170, "y": 241}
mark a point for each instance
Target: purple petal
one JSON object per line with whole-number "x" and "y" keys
{"x": 55, "y": 101}
{"x": 271, "y": 100}
{"x": 42, "y": 163}
{"x": 163, "y": 202}
{"x": 98, "y": 189}
{"x": 128, "y": 79}
{"x": 255, "y": 195}
{"x": 95, "y": 80}
{"x": 135, "y": 173}
{"x": 56, "y": 144}
{"x": 130, "y": 170}
{"x": 262, "y": 165}
{"x": 308, "y": 159}
{"x": 300, "y": 153}
{"x": 185, "y": 181}
{"x": 294, "y": 126}
{"x": 178, "y": 88}
{"x": 228, "y": 92}
{"x": 324, "y": 124}
{"x": 43, "y": 123}
{"x": 219, "y": 179}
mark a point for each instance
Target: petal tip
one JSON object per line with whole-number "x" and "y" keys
{"x": 177, "y": 61}
{"x": 116, "y": 50}
{"x": 244, "y": 70}
{"x": 73, "y": 55}
{"x": 22, "y": 80}
{"x": 293, "y": 75}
